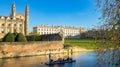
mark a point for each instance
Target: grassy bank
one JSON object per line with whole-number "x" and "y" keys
{"x": 83, "y": 43}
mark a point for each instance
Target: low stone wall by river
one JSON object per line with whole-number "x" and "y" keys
{"x": 16, "y": 49}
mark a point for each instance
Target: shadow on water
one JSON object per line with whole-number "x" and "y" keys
{"x": 83, "y": 59}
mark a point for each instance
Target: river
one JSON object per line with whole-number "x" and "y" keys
{"x": 83, "y": 59}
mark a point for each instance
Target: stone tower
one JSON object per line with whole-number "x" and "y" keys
{"x": 13, "y": 11}
{"x": 26, "y": 20}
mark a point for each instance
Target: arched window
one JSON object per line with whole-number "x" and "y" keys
{"x": 3, "y": 24}
{"x": 20, "y": 25}
{"x": 15, "y": 30}
{"x": 2, "y": 31}
{"x": 8, "y": 24}
{"x": 8, "y": 30}
{"x": 15, "y": 25}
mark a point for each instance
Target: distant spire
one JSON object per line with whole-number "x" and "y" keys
{"x": 13, "y": 10}
{"x": 27, "y": 8}
{"x": 26, "y": 20}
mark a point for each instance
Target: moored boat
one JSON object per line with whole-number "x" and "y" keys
{"x": 70, "y": 61}
{"x": 52, "y": 63}
{"x": 60, "y": 62}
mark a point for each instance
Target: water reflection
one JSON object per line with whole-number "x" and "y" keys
{"x": 36, "y": 61}
{"x": 83, "y": 59}
{"x": 108, "y": 58}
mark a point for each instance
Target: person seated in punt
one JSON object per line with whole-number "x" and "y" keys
{"x": 51, "y": 60}
{"x": 60, "y": 59}
{"x": 69, "y": 59}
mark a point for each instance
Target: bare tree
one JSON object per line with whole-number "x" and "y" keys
{"x": 109, "y": 48}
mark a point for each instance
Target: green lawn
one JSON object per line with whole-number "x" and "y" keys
{"x": 83, "y": 43}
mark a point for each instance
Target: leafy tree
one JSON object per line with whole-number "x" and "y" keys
{"x": 20, "y": 38}
{"x": 9, "y": 38}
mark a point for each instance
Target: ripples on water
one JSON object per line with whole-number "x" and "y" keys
{"x": 82, "y": 60}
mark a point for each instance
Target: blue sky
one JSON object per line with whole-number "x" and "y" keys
{"x": 77, "y": 13}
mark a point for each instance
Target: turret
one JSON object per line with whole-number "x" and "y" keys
{"x": 13, "y": 11}
{"x": 26, "y": 20}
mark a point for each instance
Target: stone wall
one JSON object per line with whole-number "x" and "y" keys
{"x": 16, "y": 49}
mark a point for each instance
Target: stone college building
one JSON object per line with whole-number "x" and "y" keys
{"x": 69, "y": 32}
{"x": 15, "y": 22}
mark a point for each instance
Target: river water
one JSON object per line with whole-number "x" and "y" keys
{"x": 83, "y": 59}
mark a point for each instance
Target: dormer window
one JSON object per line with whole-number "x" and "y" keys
{"x": 2, "y": 17}
{"x": 14, "y": 18}
{"x": 8, "y": 18}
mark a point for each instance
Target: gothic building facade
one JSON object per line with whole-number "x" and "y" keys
{"x": 15, "y": 23}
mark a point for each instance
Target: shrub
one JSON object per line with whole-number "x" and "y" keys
{"x": 20, "y": 38}
{"x": 33, "y": 38}
{"x": 8, "y": 38}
